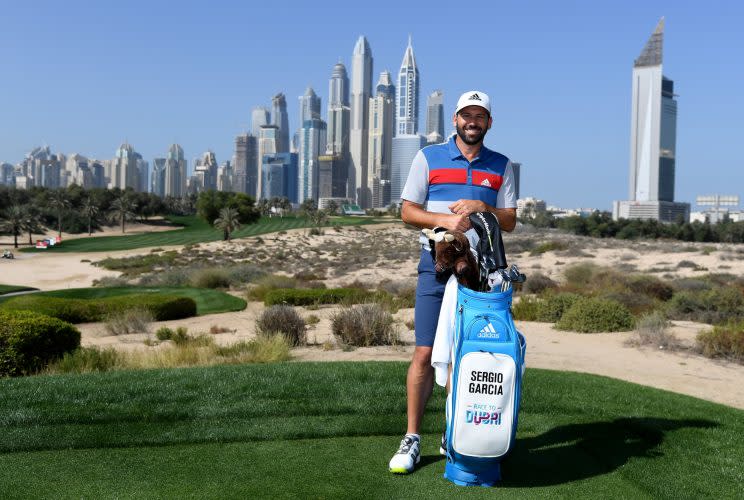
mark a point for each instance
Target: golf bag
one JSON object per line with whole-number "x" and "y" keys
{"x": 487, "y": 367}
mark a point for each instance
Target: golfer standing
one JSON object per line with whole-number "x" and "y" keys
{"x": 447, "y": 182}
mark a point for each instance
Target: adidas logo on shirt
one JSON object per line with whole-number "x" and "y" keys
{"x": 475, "y": 97}
{"x": 488, "y": 331}
{"x": 485, "y": 183}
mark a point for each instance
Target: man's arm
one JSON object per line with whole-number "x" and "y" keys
{"x": 414, "y": 214}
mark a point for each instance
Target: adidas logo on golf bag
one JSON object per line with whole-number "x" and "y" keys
{"x": 488, "y": 332}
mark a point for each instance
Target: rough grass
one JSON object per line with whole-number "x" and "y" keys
{"x": 185, "y": 351}
{"x": 206, "y": 432}
{"x": 364, "y": 325}
{"x": 135, "y": 320}
{"x": 653, "y": 330}
{"x": 724, "y": 341}
{"x": 14, "y": 288}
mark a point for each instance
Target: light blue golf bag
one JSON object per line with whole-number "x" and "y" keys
{"x": 482, "y": 408}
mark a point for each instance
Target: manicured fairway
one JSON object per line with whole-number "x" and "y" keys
{"x": 208, "y": 301}
{"x": 14, "y": 288}
{"x": 195, "y": 230}
{"x": 323, "y": 430}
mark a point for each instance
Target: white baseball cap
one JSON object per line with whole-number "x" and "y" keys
{"x": 474, "y": 98}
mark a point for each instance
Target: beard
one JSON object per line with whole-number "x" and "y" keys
{"x": 476, "y": 134}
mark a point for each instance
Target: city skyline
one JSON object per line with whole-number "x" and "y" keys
{"x": 561, "y": 105}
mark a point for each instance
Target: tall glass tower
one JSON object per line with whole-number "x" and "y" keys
{"x": 407, "y": 101}
{"x": 653, "y": 139}
{"x": 361, "y": 91}
{"x": 435, "y": 117}
{"x": 281, "y": 120}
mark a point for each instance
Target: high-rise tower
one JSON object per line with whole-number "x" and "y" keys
{"x": 435, "y": 117}
{"x": 407, "y": 102}
{"x": 309, "y": 106}
{"x": 260, "y": 116}
{"x": 380, "y": 144}
{"x": 653, "y": 138}
{"x": 175, "y": 172}
{"x": 337, "y": 144}
{"x": 361, "y": 91}
{"x": 281, "y": 120}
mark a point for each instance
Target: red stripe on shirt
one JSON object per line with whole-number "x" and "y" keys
{"x": 448, "y": 176}
{"x": 494, "y": 180}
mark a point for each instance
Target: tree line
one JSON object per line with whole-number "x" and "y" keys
{"x": 600, "y": 225}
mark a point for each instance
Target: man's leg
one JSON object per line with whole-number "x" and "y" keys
{"x": 419, "y": 383}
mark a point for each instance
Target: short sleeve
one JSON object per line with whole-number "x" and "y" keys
{"x": 417, "y": 184}
{"x": 507, "y": 197}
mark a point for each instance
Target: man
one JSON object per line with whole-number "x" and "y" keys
{"x": 447, "y": 183}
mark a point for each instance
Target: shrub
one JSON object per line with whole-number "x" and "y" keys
{"x": 210, "y": 278}
{"x": 579, "y": 275}
{"x": 552, "y": 306}
{"x": 179, "y": 336}
{"x": 725, "y": 340}
{"x": 526, "y": 308}
{"x": 128, "y": 321}
{"x": 30, "y": 341}
{"x": 164, "y": 333}
{"x": 653, "y": 329}
{"x": 282, "y": 320}
{"x": 549, "y": 246}
{"x": 162, "y": 307}
{"x": 364, "y": 325}
{"x": 270, "y": 349}
{"x": 240, "y": 274}
{"x": 717, "y": 305}
{"x": 315, "y": 296}
{"x": 650, "y": 286}
{"x": 86, "y": 360}
{"x": 268, "y": 283}
{"x": 589, "y": 315}
{"x": 538, "y": 283}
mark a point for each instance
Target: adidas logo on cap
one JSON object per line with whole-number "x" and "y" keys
{"x": 474, "y": 98}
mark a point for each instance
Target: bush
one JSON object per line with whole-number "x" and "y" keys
{"x": 210, "y": 278}
{"x": 315, "y": 296}
{"x": 364, "y": 325}
{"x": 538, "y": 283}
{"x": 579, "y": 275}
{"x": 726, "y": 340}
{"x": 549, "y": 246}
{"x": 128, "y": 321}
{"x": 717, "y": 305}
{"x": 551, "y": 308}
{"x": 268, "y": 283}
{"x": 30, "y": 341}
{"x": 162, "y": 307}
{"x": 179, "y": 336}
{"x": 650, "y": 286}
{"x": 526, "y": 308}
{"x": 86, "y": 360}
{"x": 282, "y": 320}
{"x": 589, "y": 315}
{"x": 653, "y": 330}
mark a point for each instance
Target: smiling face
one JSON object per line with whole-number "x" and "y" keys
{"x": 472, "y": 123}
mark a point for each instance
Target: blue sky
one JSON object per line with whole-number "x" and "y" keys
{"x": 83, "y": 77}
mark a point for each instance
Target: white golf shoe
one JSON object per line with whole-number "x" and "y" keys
{"x": 407, "y": 456}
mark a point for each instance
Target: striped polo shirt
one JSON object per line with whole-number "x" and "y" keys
{"x": 440, "y": 175}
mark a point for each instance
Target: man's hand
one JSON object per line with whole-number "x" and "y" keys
{"x": 457, "y": 223}
{"x": 467, "y": 207}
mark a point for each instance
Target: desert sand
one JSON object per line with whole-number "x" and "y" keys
{"x": 607, "y": 354}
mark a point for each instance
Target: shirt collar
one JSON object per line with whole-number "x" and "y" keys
{"x": 455, "y": 152}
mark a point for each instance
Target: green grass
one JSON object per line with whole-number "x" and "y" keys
{"x": 14, "y": 288}
{"x": 208, "y": 301}
{"x": 325, "y": 430}
{"x": 194, "y": 230}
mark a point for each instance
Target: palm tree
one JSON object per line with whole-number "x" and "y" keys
{"x": 31, "y": 223}
{"x": 227, "y": 221}
{"x": 12, "y": 222}
{"x": 59, "y": 203}
{"x": 90, "y": 210}
{"x": 122, "y": 208}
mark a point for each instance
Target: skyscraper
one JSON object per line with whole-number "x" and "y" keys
{"x": 125, "y": 168}
{"x": 267, "y": 145}
{"x": 259, "y": 117}
{"x": 337, "y": 144}
{"x": 380, "y": 143}
{"x": 407, "y": 140}
{"x": 281, "y": 120}
{"x": 205, "y": 172}
{"x": 407, "y": 102}
{"x": 653, "y": 138}
{"x": 157, "y": 185}
{"x": 246, "y": 165}
{"x": 309, "y": 106}
{"x": 435, "y": 117}
{"x": 312, "y": 144}
{"x": 361, "y": 91}
{"x": 175, "y": 172}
